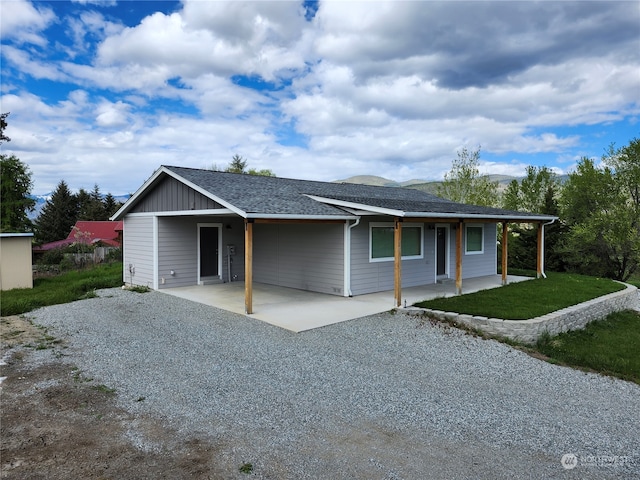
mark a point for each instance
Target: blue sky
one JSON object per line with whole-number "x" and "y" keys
{"x": 105, "y": 92}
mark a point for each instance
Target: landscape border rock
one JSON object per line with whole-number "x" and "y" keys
{"x": 574, "y": 317}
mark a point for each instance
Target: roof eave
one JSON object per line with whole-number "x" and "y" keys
{"x": 479, "y": 216}
{"x": 357, "y": 206}
{"x": 284, "y": 216}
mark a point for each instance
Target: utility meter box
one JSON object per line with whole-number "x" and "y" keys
{"x": 231, "y": 249}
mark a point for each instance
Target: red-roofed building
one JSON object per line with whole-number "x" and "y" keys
{"x": 107, "y": 234}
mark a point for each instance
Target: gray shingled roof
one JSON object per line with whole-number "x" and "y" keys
{"x": 283, "y": 196}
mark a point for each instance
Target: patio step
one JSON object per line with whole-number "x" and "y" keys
{"x": 445, "y": 281}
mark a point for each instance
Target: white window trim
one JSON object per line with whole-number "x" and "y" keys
{"x": 372, "y": 225}
{"x": 466, "y": 236}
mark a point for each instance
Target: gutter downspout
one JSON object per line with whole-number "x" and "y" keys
{"x": 347, "y": 256}
{"x": 542, "y": 225}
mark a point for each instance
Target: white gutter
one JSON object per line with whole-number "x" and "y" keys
{"x": 542, "y": 247}
{"x": 480, "y": 216}
{"x": 347, "y": 256}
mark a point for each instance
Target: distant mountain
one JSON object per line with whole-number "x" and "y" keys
{"x": 424, "y": 185}
{"x": 40, "y": 201}
{"x": 370, "y": 180}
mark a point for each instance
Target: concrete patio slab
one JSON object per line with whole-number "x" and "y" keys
{"x": 299, "y": 310}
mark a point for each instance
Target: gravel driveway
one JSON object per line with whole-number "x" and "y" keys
{"x": 383, "y": 396}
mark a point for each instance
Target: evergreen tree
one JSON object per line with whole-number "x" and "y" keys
{"x": 111, "y": 205}
{"x": 96, "y": 206}
{"x": 15, "y": 202}
{"x": 83, "y": 200}
{"x": 15, "y": 187}
{"x": 58, "y": 215}
{"x": 239, "y": 165}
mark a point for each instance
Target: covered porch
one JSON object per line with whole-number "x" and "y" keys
{"x": 300, "y": 310}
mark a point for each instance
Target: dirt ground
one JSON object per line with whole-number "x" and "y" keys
{"x": 56, "y": 423}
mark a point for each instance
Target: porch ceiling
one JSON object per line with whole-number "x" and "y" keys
{"x": 299, "y": 310}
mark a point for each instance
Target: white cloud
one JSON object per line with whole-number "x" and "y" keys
{"x": 21, "y": 21}
{"x": 222, "y": 38}
{"x": 102, "y": 3}
{"x": 111, "y": 115}
{"x": 393, "y": 89}
{"x": 28, "y": 66}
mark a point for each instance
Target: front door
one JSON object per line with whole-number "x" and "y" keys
{"x": 209, "y": 252}
{"x": 441, "y": 251}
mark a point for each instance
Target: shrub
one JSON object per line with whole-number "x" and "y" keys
{"x": 52, "y": 257}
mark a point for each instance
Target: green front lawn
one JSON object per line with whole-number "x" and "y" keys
{"x": 607, "y": 346}
{"x": 528, "y": 299}
{"x": 64, "y": 288}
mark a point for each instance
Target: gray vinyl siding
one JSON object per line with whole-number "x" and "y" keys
{"x": 177, "y": 251}
{"x": 233, "y": 234}
{"x": 370, "y": 277}
{"x": 481, "y": 264}
{"x": 303, "y": 256}
{"x": 171, "y": 195}
{"x": 138, "y": 250}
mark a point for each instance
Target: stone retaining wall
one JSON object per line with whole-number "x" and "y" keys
{"x": 528, "y": 331}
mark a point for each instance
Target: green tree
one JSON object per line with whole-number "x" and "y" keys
{"x": 529, "y": 195}
{"x": 464, "y": 184}
{"x": 3, "y": 126}
{"x": 15, "y": 188}
{"x": 511, "y": 196}
{"x": 239, "y": 165}
{"x": 537, "y": 192}
{"x": 111, "y": 205}
{"x": 264, "y": 172}
{"x": 97, "y": 211}
{"x": 83, "y": 201}
{"x": 58, "y": 215}
{"x": 597, "y": 203}
{"x": 625, "y": 162}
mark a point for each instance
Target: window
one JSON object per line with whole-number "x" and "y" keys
{"x": 474, "y": 239}
{"x": 381, "y": 242}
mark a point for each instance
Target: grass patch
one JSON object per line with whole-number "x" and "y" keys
{"x": 529, "y": 299}
{"x": 635, "y": 280}
{"x": 104, "y": 389}
{"x": 607, "y": 346}
{"x": 138, "y": 289}
{"x": 64, "y": 288}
